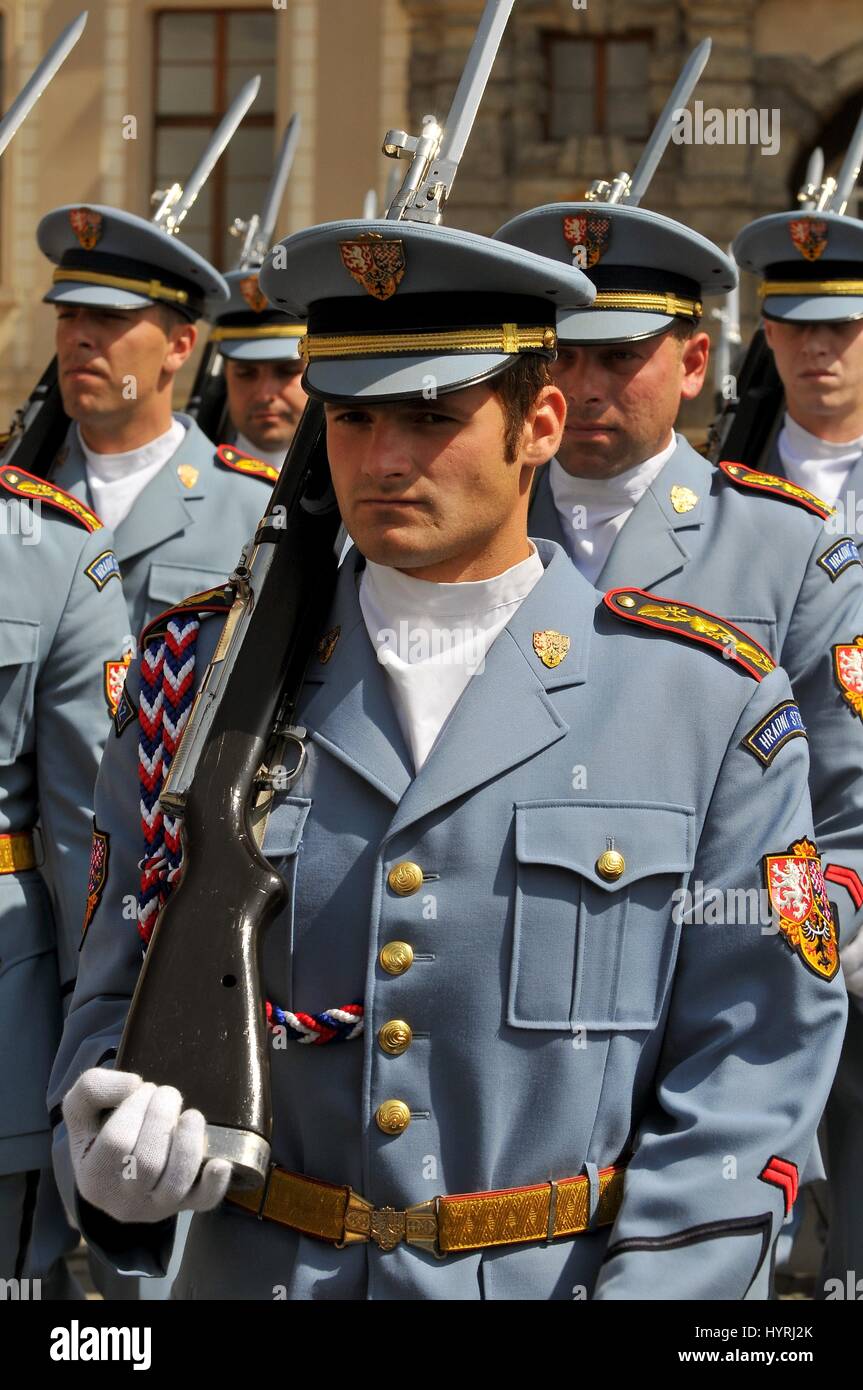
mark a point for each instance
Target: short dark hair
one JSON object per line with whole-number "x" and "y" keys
{"x": 683, "y": 329}
{"x": 517, "y": 388}
{"x": 169, "y": 317}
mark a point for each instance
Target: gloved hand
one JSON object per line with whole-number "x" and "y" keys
{"x": 142, "y": 1162}
{"x": 852, "y": 965}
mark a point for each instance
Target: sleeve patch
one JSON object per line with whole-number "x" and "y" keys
{"x": 115, "y": 677}
{"x": 97, "y": 876}
{"x": 34, "y": 489}
{"x": 124, "y": 714}
{"x": 103, "y": 568}
{"x": 840, "y": 557}
{"x": 775, "y": 730}
{"x": 782, "y": 1173}
{"x": 801, "y": 908}
{"x": 694, "y": 624}
{"x": 244, "y": 463}
{"x": 848, "y": 670}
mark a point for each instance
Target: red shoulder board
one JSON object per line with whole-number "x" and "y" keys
{"x": 244, "y": 463}
{"x": 776, "y": 487}
{"x": 22, "y": 484}
{"x": 696, "y": 624}
{"x": 196, "y": 606}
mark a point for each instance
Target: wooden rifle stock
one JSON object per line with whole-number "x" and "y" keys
{"x": 197, "y": 1019}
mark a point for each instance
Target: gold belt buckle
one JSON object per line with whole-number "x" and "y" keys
{"x": 387, "y": 1227}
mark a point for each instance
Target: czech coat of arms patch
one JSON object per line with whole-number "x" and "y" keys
{"x": 253, "y": 294}
{"x": 798, "y": 897}
{"x": 377, "y": 265}
{"x": 588, "y": 238}
{"x": 87, "y": 226}
{"x": 809, "y": 235}
{"x": 848, "y": 669}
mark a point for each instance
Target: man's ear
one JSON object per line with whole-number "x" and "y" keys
{"x": 694, "y": 359}
{"x": 543, "y": 428}
{"x": 181, "y": 344}
{"x": 768, "y": 332}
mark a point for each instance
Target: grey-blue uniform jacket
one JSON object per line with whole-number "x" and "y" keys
{"x": 186, "y": 528}
{"x": 761, "y": 562}
{"x": 561, "y": 1022}
{"x": 62, "y": 618}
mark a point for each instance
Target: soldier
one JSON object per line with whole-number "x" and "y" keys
{"x": 127, "y": 297}
{"x": 497, "y": 822}
{"x": 811, "y": 292}
{"x": 263, "y": 370}
{"x": 62, "y": 634}
{"x": 631, "y": 500}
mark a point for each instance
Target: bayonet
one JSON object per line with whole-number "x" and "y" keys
{"x": 175, "y": 202}
{"x": 848, "y": 175}
{"x": 810, "y": 192}
{"x": 631, "y": 190}
{"x": 436, "y": 153}
{"x": 33, "y": 89}
{"x": 257, "y": 232}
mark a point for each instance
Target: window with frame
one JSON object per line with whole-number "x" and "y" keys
{"x": 597, "y": 84}
{"x": 202, "y": 58}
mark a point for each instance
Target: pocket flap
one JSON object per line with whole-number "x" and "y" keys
{"x": 652, "y": 837}
{"x": 168, "y": 584}
{"x": 19, "y": 641}
{"x": 285, "y": 826}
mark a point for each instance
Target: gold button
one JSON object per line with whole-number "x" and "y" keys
{"x": 393, "y": 1116}
{"x": 396, "y": 957}
{"x": 395, "y": 1037}
{"x": 610, "y": 865}
{"x": 405, "y": 878}
{"x": 626, "y": 601}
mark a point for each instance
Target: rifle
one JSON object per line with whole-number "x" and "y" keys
{"x": 208, "y": 401}
{"x": 197, "y": 1017}
{"x": 728, "y": 318}
{"x": 631, "y": 190}
{"x": 747, "y": 416}
{"x": 39, "y": 427}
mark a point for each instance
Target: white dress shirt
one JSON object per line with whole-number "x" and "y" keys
{"x": 816, "y": 464}
{"x": 431, "y": 638}
{"x": 115, "y": 480}
{"x": 592, "y": 511}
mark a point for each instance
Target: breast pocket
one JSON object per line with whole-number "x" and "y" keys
{"x": 589, "y": 951}
{"x": 168, "y": 584}
{"x": 19, "y": 652}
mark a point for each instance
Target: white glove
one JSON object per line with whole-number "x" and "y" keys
{"x": 142, "y": 1162}
{"x": 852, "y": 965}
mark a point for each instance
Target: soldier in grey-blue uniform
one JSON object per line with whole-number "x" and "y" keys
{"x": 263, "y": 369}
{"x": 127, "y": 296}
{"x": 810, "y": 269}
{"x": 633, "y": 502}
{"x": 63, "y": 626}
{"x": 532, "y": 1051}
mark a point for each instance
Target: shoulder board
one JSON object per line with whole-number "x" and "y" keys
{"x": 696, "y": 624}
{"x": 775, "y": 486}
{"x": 34, "y": 489}
{"x": 244, "y": 463}
{"x": 196, "y": 606}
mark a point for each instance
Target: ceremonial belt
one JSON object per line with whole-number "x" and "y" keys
{"x": 17, "y": 852}
{"x": 441, "y": 1225}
